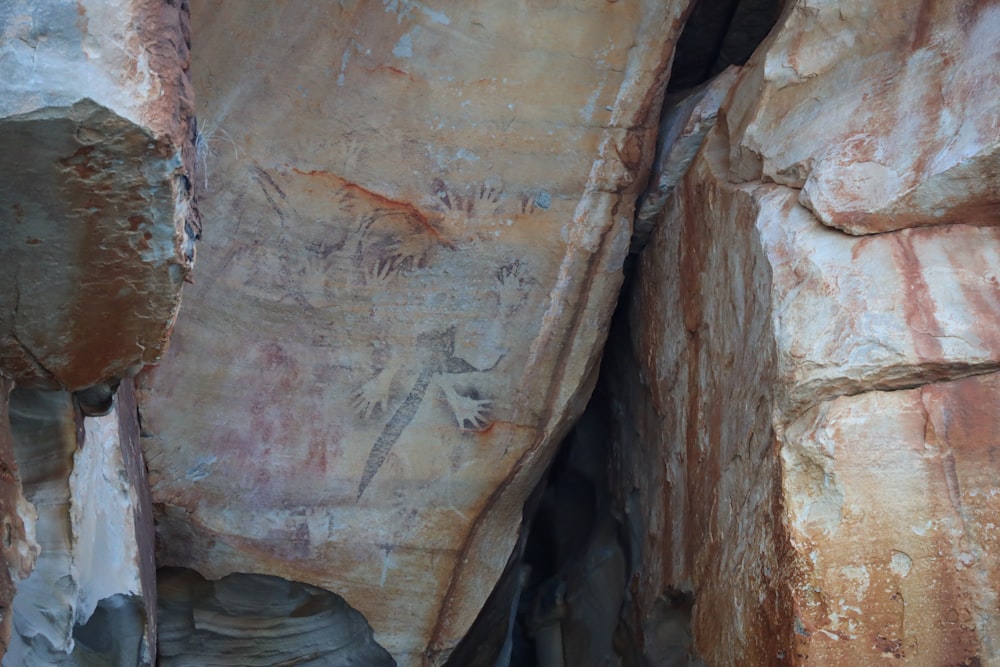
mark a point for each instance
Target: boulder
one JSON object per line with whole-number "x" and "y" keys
{"x": 97, "y": 214}
{"x": 419, "y": 214}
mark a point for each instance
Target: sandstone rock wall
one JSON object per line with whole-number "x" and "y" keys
{"x": 821, "y": 406}
{"x": 419, "y": 217}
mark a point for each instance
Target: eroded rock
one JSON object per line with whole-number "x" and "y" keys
{"x": 84, "y": 602}
{"x": 18, "y": 549}
{"x": 97, "y": 210}
{"x": 883, "y": 114}
{"x": 251, "y": 619}
{"x": 418, "y": 245}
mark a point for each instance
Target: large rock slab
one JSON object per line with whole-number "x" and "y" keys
{"x": 96, "y": 210}
{"x": 884, "y": 114}
{"x": 758, "y": 336}
{"x": 414, "y": 250}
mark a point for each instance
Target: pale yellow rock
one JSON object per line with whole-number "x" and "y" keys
{"x": 417, "y": 215}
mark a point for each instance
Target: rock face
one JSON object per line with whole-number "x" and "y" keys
{"x": 822, "y": 406}
{"x": 86, "y": 598}
{"x": 97, "y": 219}
{"x": 415, "y": 250}
{"x": 247, "y": 619}
{"x": 419, "y": 217}
{"x": 891, "y": 123}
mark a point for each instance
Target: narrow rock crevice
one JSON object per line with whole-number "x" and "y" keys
{"x": 563, "y": 597}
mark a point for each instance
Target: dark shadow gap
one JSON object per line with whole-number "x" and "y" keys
{"x": 562, "y": 600}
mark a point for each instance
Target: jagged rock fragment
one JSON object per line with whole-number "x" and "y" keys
{"x": 96, "y": 210}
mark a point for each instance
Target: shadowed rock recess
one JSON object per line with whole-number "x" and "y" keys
{"x": 575, "y": 333}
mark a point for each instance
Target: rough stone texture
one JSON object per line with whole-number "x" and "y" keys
{"x": 892, "y": 500}
{"x": 826, "y": 477}
{"x": 880, "y": 312}
{"x": 416, "y": 246}
{"x": 687, "y": 118}
{"x": 18, "y": 549}
{"x": 693, "y": 389}
{"x": 83, "y": 602}
{"x": 245, "y": 620}
{"x": 884, "y": 114}
{"x": 96, "y": 212}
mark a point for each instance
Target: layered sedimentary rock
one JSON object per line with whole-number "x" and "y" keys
{"x": 247, "y": 619}
{"x": 91, "y": 594}
{"x": 823, "y": 405}
{"x": 417, "y": 240}
{"x": 95, "y": 211}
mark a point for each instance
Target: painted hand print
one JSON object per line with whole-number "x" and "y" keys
{"x": 488, "y": 201}
{"x": 369, "y": 264}
{"x": 439, "y": 367}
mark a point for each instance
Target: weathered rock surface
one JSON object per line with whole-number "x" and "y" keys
{"x": 885, "y": 115}
{"x": 417, "y": 245}
{"x": 419, "y": 215}
{"x": 85, "y": 601}
{"x": 822, "y": 406}
{"x": 250, "y": 619}
{"x": 18, "y": 549}
{"x": 698, "y": 479}
{"x": 686, "y": 121}
{"x": 892, "y": 502}
{"x": 96, "y": 211}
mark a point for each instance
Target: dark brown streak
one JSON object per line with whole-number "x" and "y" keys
{"x": 546, "y": 414}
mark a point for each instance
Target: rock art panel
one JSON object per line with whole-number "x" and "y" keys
{"x": 415, "y": 248}
{"x": 97, "y": 211}
{"x": 887, "y": 121}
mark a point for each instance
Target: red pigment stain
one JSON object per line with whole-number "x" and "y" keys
{"x": 392, "y": 70}
{"x": 918, "y": 306}
{"x": 403, "y": 207}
